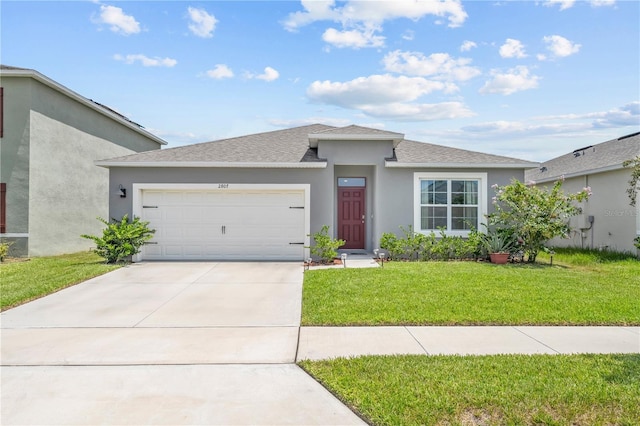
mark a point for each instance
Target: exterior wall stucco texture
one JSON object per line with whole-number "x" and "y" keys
{"x": 615, "y": 221}
{"x": 48, "y": 150}
{"x": 67, "y": 190}
{"x": 389, "y": 190}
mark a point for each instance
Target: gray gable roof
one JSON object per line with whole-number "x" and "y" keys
{"x": 292, "y": 148}
{"x": 588, "y": 160}
{"x": 412, "y": 152}
{"x": 280, "y": 146}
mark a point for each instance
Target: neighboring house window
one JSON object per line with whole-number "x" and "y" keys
{"x": 455, "y": 202}
{"x": 3, "y": 208}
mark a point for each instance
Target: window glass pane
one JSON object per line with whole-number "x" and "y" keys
{"x": 464, "y": 218}
{"x": 440, "y": 186}
{"x": 358, "y": 182}
{"x": 464, "y": 192}
{"x": 433, "y": 218}
{"x": 457, "y": 186}
{"x": 433, "y": 192}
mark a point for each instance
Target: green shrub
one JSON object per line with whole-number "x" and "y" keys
{"x": 326, "y": 248}
{"x": 4, "y": 250}
{"x": 636, "y": 242}
{"x": 391, "y": 244}
{"x": 122, "y": 239}
{"x": 419, "y": 246}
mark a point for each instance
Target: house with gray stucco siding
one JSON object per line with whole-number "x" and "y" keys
{"x": 608, "y": 221}
{"x": 260, "y": 196}
{"x": 50, "y": 136}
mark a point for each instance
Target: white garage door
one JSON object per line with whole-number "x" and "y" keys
{"x": 224, "y": 224}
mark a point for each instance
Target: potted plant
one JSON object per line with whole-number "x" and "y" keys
{"x": 499, "y": 247}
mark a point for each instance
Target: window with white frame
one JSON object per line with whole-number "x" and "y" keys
{"x": 455, "y": 202}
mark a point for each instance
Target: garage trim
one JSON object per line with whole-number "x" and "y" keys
{"x": 138, "y": 188}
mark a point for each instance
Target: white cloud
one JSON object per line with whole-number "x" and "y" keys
{"x": 599, "y": 3}
{"x": 362, "y": 20}
{"x": 626, "y": 115}
{"x": 202, "y": 24}
{"x": 408, "y": 35}
{"x": 119, "y": 22}
{"x": 375, "y": 89}
{"x": 515, "y": 80}
{"x": 358, "y": 12}
{"x": 512, "y": 48}
{"x": 219, "y": 72}
{"x": 567, "y": 4}
{"x": 564, "y": 4}
{"x": 387, "y": 96}
{"x": 146, "y": 61}
{"x": 559, "y": 46}
{"x": 352, "y": 38}
{"x": 269, "y": 74}
{"x": 439, "y": 65}
{"x": 418, "y": 112}
{"x": 468, "y": 45}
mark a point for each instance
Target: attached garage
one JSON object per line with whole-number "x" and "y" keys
{"x": 224, "y": 221}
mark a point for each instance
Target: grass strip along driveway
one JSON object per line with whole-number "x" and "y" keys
{"x": 22, "y": 281}
{"x": 579, "y": 289}
{"x": 487, "y": 390}
{"x": 582, "y": 288}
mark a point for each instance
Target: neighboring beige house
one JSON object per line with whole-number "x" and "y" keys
{"x": 51, "y": 190}
{"x": 608, "y": 220}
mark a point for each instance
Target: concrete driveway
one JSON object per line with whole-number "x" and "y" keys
{"x": 165, "y": 343}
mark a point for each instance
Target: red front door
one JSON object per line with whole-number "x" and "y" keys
{"x": 351, "y": 217}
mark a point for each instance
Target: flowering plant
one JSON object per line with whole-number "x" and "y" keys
{"x": 535, "y": 214}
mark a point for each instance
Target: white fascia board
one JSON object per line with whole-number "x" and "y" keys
{"x": 396, "y": 138}
{"x": 394, "y": 164}
{"x": 218, "y": 164}
{"x": 77, "y": 97}
{"x": 582, "y": 173}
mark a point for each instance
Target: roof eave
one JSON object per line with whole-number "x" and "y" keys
{"x": 523, "y": 165}
{"x": 580, "y": 173}
{"x": 395, "y": 138}
{"x": 212, "y": 164}
{"x": 73, "y": 95}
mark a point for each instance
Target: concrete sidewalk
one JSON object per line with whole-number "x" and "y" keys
{"x": 330, "y": 342}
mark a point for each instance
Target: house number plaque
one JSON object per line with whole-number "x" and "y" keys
{"x": 223, "y": 186}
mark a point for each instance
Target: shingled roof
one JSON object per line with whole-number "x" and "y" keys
{"x": 412, "y": 153}
{"x": 602, "y": 157}
{"x": 292, "y": 148}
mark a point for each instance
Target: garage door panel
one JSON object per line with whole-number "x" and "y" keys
{"x": 210, "y": 224}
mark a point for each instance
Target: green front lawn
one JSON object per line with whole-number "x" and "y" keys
{"x": 23, "y": 281}
{"x": 487, "y": 390}
{"x": 581, "y": 288}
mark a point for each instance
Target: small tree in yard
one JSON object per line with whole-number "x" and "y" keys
{"x": 535, "y": 215}
{"x": 121, "y": 239}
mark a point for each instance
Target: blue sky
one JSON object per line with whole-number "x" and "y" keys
{"x": 529, "y": 79}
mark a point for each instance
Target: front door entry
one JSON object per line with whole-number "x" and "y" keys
{"x": 351, "y": 216}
